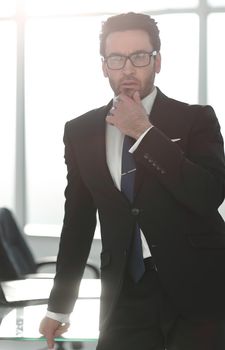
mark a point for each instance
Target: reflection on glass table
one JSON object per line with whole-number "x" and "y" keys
{"x": 22, "y": 323}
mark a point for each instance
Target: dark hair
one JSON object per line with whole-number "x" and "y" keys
{"x": 130, "y": 21}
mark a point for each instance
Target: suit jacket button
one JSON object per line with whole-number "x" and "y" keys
{"x": 135, "y": 211}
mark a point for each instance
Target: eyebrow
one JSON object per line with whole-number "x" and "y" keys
{"x": 132, "y": 53}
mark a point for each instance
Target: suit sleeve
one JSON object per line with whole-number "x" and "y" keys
{"x": 76, "y": 237}
{"x": 194, "y": 176}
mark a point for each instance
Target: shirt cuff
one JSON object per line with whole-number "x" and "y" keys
{"x": 136, "y": 144}
{"x": 63, "y": 318}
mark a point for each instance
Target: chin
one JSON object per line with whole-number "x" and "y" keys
{"x": 128, "y": 92}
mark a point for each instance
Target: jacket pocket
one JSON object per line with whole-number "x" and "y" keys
{"x": 105, "y": 258}
{"x": 210, "y": 241}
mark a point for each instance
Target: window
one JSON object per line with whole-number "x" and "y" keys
{"x": 63, "y": 80}
{"x": 180, "y": 55}
{"x": 66, "y": 7}
{"x": 7, "y": 8}
{"x": 216, "y": 3}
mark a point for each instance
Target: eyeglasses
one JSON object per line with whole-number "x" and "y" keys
{"x": 138, "y": 59}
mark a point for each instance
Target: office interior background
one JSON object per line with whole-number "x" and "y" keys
{"x": 50, "y": 71}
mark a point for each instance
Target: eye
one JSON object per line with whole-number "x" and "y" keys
{"x": 139, "y": 57}
{"x": 116, "y": 59}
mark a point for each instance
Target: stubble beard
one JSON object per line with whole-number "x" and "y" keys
{"x": 130, "y": 91}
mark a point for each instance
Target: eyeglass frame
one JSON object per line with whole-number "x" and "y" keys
{"x": 150, "y": 54}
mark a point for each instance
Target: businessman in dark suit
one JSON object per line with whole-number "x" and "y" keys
{"x": 177, "y": 299}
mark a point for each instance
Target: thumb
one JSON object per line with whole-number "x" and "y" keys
{"x": 136, "y": 97}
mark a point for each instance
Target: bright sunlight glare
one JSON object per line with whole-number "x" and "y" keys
{"x": 60, "y": 7}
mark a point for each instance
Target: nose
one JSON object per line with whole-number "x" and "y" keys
{"x": 128, "y": 67}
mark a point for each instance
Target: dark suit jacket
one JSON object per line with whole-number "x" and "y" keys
{"x": 179, "y": 187}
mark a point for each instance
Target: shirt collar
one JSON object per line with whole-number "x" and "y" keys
{"x": 149, "y": 100}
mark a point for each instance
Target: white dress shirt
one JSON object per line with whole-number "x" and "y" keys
{"x": 114, "y": 145}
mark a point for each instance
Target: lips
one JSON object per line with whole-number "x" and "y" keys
{"x": 127, "y": 85}
{"x": 129, "y": 82}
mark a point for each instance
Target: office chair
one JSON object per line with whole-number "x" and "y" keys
{"x": 17, "y": 262}
{"x": 16, "y": 258}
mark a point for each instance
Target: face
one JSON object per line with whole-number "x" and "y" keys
{"x": 130, "y": 78}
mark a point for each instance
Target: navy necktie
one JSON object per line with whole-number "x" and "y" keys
{"x": 136, "y": 263}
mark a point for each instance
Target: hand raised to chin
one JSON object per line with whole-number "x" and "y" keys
{"x": 129, "y": 116}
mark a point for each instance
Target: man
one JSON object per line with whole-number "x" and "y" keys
{"x": 176, "y": 300}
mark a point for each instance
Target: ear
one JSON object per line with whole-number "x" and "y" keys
{"x": 158, "y": 63}
{"x": 104, "y": 69}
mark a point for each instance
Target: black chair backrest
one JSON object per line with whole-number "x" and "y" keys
{"x": 16, "y": 258}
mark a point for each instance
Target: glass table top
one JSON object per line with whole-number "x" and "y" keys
{"x": 22, "y": 323}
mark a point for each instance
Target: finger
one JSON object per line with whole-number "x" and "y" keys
{"x": 48, "y": 328}
{"x": 58, "y": 332}
{"x": 109, "y": 119}
{"x": 136, "y": 97}
{"x": 116, "y": 100}
{"x": 49, "y": 339}
{"x": 112, "y": 110}
{"x": 62, "y": 329}
{"x": 50, "y": 343}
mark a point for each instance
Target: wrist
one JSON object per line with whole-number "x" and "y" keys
{"x": 142, "y": 129}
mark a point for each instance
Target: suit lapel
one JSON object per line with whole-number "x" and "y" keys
{"x": 100, "y": 142}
